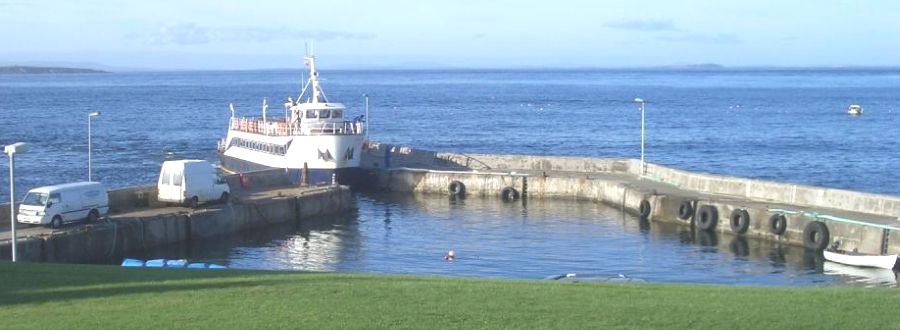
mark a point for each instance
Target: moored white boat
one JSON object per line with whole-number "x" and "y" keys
{"x": 312, "y": 134}
{"x": 860, "y": 259}
{"x": 854, "y": 110}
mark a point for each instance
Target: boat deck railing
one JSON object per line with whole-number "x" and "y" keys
{"x": 282, "y": 127}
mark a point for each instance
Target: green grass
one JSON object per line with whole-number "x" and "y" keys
{"x": 50, "y": 296}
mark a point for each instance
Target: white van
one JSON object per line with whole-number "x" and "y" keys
{"x": 191, "y": 182}
{"x": 58, "y": 204}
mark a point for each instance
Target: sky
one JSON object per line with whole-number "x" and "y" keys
{"x": 399, "y": 34}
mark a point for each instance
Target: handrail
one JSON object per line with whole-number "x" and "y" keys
{"x": 281, "y": 127}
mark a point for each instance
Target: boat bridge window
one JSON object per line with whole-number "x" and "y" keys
{"x": 337, "y": 113}
{"x": 310, "y": 113}
{"x": 324, "y": 114}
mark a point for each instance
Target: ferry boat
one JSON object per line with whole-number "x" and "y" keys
{"x": 313, "y": 133}
{"x": 855, "y": 110}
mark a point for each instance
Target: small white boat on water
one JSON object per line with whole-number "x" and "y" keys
{"x": 860, "y": 259}
{"x": 855, "y": 110}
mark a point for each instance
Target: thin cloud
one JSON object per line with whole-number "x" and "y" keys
{"x": 642, "y": 25}
{"x": 715, "y": 39}
{"x": 179, "y": 34}
{"x": 193, "y": 34}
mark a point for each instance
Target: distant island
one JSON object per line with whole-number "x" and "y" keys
{"x": 18, "y": 69}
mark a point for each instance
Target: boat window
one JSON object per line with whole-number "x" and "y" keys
{"x": 324, "y": 114}
{"x": 310, "y": 113}
{"x": 35, "y": 199}
{"x": 337, "y": 113}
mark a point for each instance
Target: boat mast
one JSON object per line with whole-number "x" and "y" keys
{"x": 313, "y": 79}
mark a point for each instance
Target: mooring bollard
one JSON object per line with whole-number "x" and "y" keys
{"x": 304, "y": 176}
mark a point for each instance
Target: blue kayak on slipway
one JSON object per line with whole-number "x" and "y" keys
{"x": 169, "y": 263}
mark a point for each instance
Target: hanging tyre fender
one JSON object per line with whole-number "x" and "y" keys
{"x": 644, "y": 208}
{"x": 509, "y": 194}
{"x": 777, "y": 224}
{"x": 816, "y": 236}
{"x": 456, "y": 188}
{"x": 686, "y": 210}
{"x": 707, "y": 217}
{"x": 740, "y": 221}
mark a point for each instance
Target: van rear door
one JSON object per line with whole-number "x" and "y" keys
{"x": 170, "y": 185}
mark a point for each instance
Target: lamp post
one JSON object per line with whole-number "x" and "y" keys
{"x": 641, "y": 101}
{"x": 12, "y": 150}
{"x": 90, "y": 115}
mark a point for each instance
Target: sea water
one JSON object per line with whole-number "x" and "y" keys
{"x": 786, "y": 125}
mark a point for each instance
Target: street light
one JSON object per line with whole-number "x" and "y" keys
{"x": 12, "y": 150}
{"x": 641, "y": 101}
{"x": 90, "y": 115}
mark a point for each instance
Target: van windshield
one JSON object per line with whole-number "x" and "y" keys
{"x": 35, "y": 199}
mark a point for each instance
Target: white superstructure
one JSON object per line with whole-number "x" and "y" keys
{"x": 315, "y": 133}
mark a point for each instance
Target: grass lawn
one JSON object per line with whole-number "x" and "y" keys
{"x": 55, "y": 296}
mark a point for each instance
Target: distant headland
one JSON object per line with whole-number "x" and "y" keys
{"x": 19, "y": 69}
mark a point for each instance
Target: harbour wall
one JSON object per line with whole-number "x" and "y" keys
{"x": 120, "y": 235}
{"x": 863, "y": 221}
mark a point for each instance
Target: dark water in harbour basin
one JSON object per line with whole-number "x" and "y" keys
{"x": 402, "y": 234}
{"x": 786, "y": 125}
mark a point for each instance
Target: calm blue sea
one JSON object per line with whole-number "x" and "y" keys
{"x": 786, "y": 125}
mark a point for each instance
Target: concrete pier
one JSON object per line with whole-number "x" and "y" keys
{"x": 742, "y": 207}
{"x": 138, "y": 222}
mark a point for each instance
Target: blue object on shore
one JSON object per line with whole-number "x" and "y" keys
{"x": 169, "y": 263}
{"x": 132, "y": 263}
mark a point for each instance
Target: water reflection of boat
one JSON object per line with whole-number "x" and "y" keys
{"x": 864, "y": 275}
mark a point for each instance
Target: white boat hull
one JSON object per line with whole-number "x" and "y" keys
{"x": 316, "y": 151}
{"x": 864, "y": 260}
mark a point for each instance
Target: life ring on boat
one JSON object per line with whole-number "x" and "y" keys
{"x": 816, "y": 236}
{"x": 685, "y": 210}
{"x": 777, "y": 224}
{"x": 456, "y": 188}
{"x": 644, "y": 208}
{"x": 740, "y": 221}
{"x": 509, "y": 194}
{"x": 707, "y": 217}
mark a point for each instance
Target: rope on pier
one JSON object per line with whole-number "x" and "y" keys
{"x": 818, "y": 216}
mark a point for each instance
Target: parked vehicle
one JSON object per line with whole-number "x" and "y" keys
{"x": 58, "y": 204}
{"x": 191, "y": 182}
